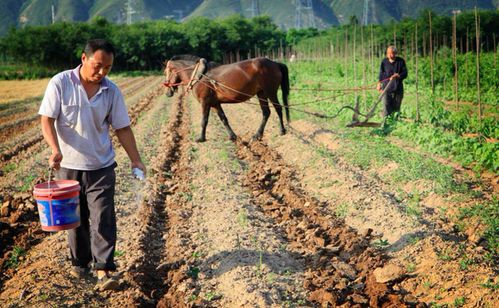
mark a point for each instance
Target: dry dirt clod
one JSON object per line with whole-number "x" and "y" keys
{"x": 389, "y": 272}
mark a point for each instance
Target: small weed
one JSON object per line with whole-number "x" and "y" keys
{"x": 242, "y": 217}
{"x": 464, "y": 263}
{"x": 444, "y": 255}
{"x": 381, "y": 243}
{"x": 271, "y": 277}
{"x": 412, "y": 208}
{"x": 489, "y": 284}
{"x": 411, "y": 267}
{"x": 459, "y": 302}
{"x": 414, "y": 239}
{"x": 9, "y": 167}
{"x": 193, "y": 272}
{"x": 197, "y": 254}
{"x": 186, "y": 196}
{"x": 342, "y": 210}
{"x": 211, "y": 296}
{"x": 259, "y": 266}
{"x": 44, "y": 296}
{"x": 119, "y": 253}
{"x": 427, "y": 284}
{"x": 27, "y": 183}
{"x": 192, "y": 297}
{"x": 17, "y": 253}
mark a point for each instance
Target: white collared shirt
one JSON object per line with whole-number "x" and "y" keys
{"x": 82, "y": 125}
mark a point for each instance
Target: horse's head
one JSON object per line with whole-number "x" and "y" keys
{"x": 172, "y": 78}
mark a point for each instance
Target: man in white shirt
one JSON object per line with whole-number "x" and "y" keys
{"x": 78, "y": 107}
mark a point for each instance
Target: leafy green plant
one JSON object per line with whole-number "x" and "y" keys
{"x": 14, "y": 259}
{"x": 381, "y": 243}
{"x": 460, "y": 301}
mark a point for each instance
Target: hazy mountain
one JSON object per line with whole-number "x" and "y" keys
{"x": 285, "y": 13}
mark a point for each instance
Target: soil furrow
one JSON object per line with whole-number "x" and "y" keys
{"x": 340, "y": 261}
{"x": 10, "y": 130}
{"x": 158, "y": 269}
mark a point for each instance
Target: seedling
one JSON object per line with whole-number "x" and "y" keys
{"x": 381, "y": 243}
{"x": 211, "y": 296}
{"x": 242, "y": 217}
{"x": 119, "y": 253}
{"x": 342, "y": 210}
{"x": 411, "y": 267}
{"x": 197, "y": 254}
{"x": 427, "y": 284}
{"x": 17, "y": 253}
{"x": 459, "y": 302}
{"x": 193, "y": 272}
{"x": 9, "y": 167}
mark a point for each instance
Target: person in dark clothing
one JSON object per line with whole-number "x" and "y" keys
{"x": 392, "y": 68}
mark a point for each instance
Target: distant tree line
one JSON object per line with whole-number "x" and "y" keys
{"x": 145, "y": 45}
{"x": 141, "y": 46}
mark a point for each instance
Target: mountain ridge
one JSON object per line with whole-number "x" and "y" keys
{"x": 285, "y": 13}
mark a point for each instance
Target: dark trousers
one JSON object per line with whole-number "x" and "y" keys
{"x": 392, "y": 102}
{"x": 95, "y": 239}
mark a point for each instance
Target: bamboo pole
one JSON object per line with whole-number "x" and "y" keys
{"x": 417, "y": 76}
{"x": 454, "y": 55}
{"x": 354, "y": 58}
{"x": 431, "y": 58}
{"x": 477, "y": 28}
{"x": 394, "y": 36}
{"x": 346, "y": 58}
{"x": 362, "y": 53}
{"x": 371, "y": 54}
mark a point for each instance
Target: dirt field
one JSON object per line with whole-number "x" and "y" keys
{"x": 285, "y": 221}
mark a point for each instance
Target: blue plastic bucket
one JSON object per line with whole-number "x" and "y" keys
{"x": 58, "y": 204}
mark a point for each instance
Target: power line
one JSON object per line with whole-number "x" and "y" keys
{"x": 129, "y": 11}
{"x": 365, "y": 17}
{"x": 254, "y": 9}
{"x": 180, "y": 14}
{"x": 304, "y": 14}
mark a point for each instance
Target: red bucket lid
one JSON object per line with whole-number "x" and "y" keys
{"x": 56, "y": 187}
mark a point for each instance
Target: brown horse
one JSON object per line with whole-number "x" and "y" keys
{"x": 213, "y": 85}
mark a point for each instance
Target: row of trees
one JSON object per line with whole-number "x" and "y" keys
{"x": 144, "y": 46}
{"x": 141, "y": 46}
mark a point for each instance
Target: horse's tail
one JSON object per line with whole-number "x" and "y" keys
{"x": 285, "y": 87}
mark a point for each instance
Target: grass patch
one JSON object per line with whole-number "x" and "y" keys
{"x": 342, "y": 210}
{"x": 488, "y": 214}
{"x": 368, "y": 152}
{"x": 9, "y": 167}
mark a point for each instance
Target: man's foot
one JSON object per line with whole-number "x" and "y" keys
{"x": 79, "y": 272}
{"x": 106, "y": 282}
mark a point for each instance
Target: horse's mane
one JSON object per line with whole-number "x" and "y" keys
{"x": 194, "y": 59}
{"x": 186, "y": 57}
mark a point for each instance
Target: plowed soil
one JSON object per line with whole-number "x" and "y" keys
{"x": 282, "y": 221}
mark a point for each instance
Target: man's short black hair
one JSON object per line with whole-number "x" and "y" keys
{"x": 98, "y": 44}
